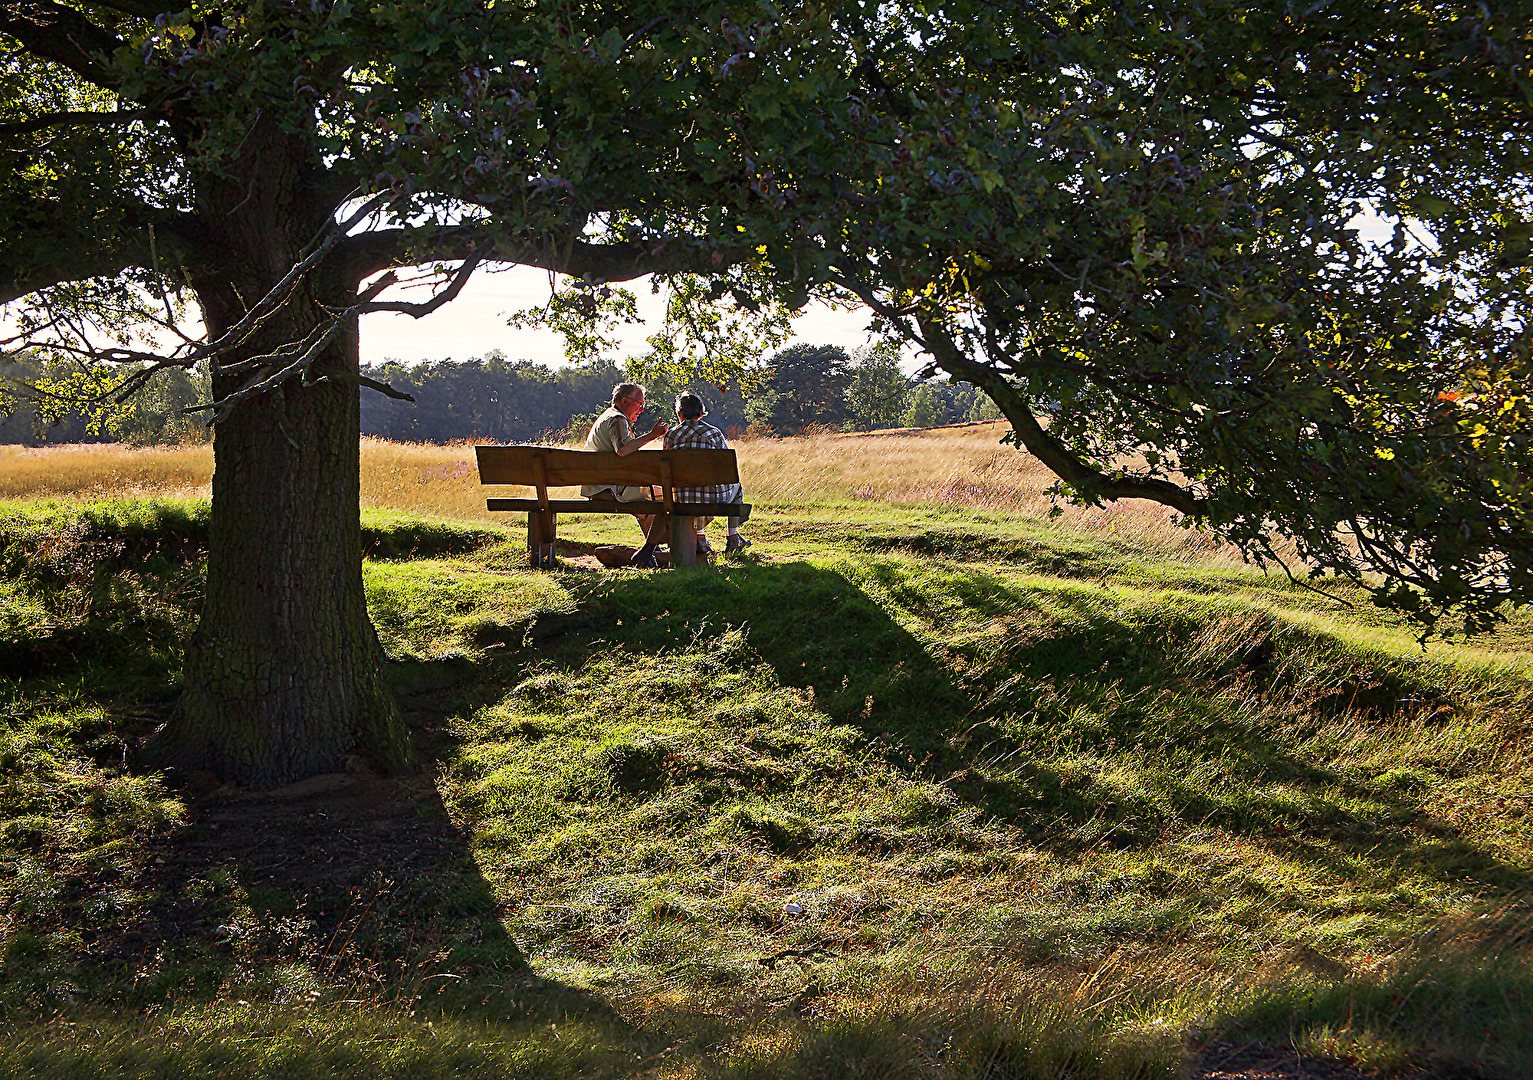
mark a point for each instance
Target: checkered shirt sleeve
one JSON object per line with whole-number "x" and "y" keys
{"x": 696, "y": 435}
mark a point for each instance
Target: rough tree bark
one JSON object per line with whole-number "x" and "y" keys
{"x": 284, "y": 676}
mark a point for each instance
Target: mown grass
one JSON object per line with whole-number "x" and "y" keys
{"x": 942, "y": 794}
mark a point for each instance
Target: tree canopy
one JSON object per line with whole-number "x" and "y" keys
{"x": 263, "y": 164}
{"x": 1144, "y": 217}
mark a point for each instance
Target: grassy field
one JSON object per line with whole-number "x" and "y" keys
{"x": 929, "y": 786}
{"x": 964, "y": 467}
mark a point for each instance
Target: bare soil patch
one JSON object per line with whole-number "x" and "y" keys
{"x": 363, "y": 873}
{"x": 327, "y": 832}
{"x": 1222, "y": 1061}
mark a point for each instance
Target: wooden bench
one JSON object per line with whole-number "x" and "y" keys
{"x": 544, "y": 467}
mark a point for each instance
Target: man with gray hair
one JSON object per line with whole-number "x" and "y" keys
{"x": 693, "y": 434}
{"x": 613, "y": 433}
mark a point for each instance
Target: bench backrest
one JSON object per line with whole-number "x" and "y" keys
{"x": 544, "y": 467}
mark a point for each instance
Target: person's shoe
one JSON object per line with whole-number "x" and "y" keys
{"x": 645, "y": 559}
{"x": 736, "y": 542}
{"x": 703, "y": 547}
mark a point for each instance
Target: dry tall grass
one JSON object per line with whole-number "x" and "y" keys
{"x": 958, "y": 467}
{"x": 105, "y": 471}
{"x": 965, "y": 466}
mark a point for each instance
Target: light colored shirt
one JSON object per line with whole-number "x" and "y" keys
{"x": 609, "y": 433}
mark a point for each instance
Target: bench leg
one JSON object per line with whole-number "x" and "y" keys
{"x": 542, "y": 529}
{"x": 683, "y": 541}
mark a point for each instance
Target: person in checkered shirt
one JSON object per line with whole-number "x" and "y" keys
{"x": 691, "y": 433}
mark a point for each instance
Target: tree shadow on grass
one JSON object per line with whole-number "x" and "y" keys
{"x": 1003, "y": 726}
{"x": 348, "y": 890}
{"x": 1239, "y": 708}
{"x": 362, "y": 886}
{"x": 813, "y": 626}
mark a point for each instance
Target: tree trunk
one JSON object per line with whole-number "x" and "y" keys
{"x": 283, "y": 678}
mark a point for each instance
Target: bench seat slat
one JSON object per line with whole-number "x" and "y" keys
{"x": 612, "y": 506}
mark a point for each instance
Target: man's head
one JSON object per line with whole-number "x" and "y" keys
{"x": 690, "y": 407}
{"x": 628, "y": 399}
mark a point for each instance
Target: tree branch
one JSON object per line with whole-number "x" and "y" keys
{"x": 63, "y": 35}
{"x": 383, "y": 249}
{"x": 372, "y": 384}
{"x": 1279, "y": 143}
{"x": 106, "y": 261}
{"x": 323, "y": 242}
{"x": 1093, "y": 484}
{"x": 393, "y": 245}
{"x": 44, "y": 262}
{"x": 73, "y": 119}
{"x": 367, "y": 305}
{"x": 311, "y": 347}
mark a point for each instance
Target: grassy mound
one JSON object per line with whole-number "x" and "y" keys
{"x": 119, "y": 581}
{"x": 864, "y": 812}
{"x": 139, "y": 528}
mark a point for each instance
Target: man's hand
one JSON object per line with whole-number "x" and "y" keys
{"x": 643, "y": 440}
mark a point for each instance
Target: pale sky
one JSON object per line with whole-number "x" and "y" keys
{"x": 475, "y": 323}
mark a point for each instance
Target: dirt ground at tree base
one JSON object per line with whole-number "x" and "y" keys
{"x": 332, "y": 830}
{"x": 338, "y": 868}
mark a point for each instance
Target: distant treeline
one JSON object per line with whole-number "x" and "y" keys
{"x": 495, "y": 398}
{"x": 806, "y": 386}
{"x": 32, "y": 412}
{"x": 488, "y": 397}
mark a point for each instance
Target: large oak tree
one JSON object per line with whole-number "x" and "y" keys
{"x": 267, "y": 160}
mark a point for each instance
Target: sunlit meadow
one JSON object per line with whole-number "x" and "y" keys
{"x": 927, "y": 785}
{"x": 965, "y": 467}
